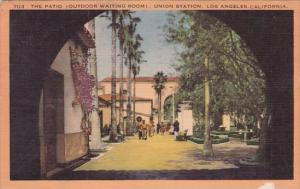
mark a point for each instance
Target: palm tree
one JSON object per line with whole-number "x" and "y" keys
{"x": 117, "y": 26}
{"x": 135, "y": 71}
{"x": 113, "y": 130}
{"x": 122, "y": 40}
{"x": 159, "y": 85}
{"x": 112, "y": 16}
{"x": 130, "y": 48}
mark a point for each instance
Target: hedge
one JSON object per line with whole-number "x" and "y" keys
{"x": 221, "y": 140}
{"x": 214, "y": 141}
{"x": 236, "y": 135}
{"x": 254, "y": 141}
{"x": 220, "y": 132}
{"x": 196, "y": 140}
{"x": 233, "y": 134}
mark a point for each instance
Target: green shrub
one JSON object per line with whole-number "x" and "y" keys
{"x": 215, "y": 136}
{"x": 236, "y": 135}
{"x": 214, "y": 141}
{"x": 233, "y": 128}
{"x": 220, "y": 140}
{"x": 198, "y": 130}
{"x": 198, "y": 133}
{"x": 196, "y": 140}
{"x": 220, "y": 132}
{"x": 181, "y": 136}
{"x": 254, "y": 141}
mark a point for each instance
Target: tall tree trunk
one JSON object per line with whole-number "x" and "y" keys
{"x": 95, "y": 137}
{"x": 113, "y": 130}
{"x": 262, "y": 151}
{"x": 134, "y": 82}
{"x": 129, "y": 120}
{"x": 207, "y": 147}
{"x": 121, "y": 115}
{"x": 159, "y": 107}
{"x": 173, "y": 108}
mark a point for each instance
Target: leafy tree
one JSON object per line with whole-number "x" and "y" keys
{"x": 168, "y": 105}
{"x": 237, "y": 84}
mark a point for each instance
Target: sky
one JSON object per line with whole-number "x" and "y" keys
{"x": 159, "y": 54}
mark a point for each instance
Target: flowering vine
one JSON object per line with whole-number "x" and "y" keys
{"x": 83, "y": 82}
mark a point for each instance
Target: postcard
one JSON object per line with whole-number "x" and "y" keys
{"x": 145, "y": 93}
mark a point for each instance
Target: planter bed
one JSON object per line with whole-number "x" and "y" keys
{"x": 254, "y": 141}
{"x": 236, "y": 135}
{"x": 215, "y": 141}
{"x": 220, "y": 132}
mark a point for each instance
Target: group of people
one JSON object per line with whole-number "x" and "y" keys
{"x": 148, "y": 130}
{"x": 145, "y": 130}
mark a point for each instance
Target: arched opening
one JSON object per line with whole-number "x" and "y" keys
{"x": 268, "y": 34}
{"x": 33, "y": 49}
{"x": 170, "y": 108}
{"x": 278, "y": 67}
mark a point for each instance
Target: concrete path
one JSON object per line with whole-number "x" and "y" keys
{"x": 161, "y": 157}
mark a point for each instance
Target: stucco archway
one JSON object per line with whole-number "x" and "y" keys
{"x": 36, "y": 38}
{"x": 169, "y": 100}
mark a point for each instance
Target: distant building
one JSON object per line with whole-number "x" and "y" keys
{"x": 146, "y": 97}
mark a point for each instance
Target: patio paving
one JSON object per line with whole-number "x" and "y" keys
{"x": 161, "y": 157}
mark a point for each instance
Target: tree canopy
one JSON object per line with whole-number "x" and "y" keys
{"x": 237, "y": 83}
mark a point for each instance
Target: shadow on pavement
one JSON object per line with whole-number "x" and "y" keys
{"x": 244, "y": 173}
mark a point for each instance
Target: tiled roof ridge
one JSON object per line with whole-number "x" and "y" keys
{"x": 107, "y": 97}
{"x": 141, "y": 78}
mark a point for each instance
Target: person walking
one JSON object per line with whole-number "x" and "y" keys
{"x": 163, "y": 129}
{"x": 151, "y": 130}
{"x": 140, "y": 129}
{"x": 144, "y": 130}
{"x": 176, "y": 129}
{"x": 157, "y": 128}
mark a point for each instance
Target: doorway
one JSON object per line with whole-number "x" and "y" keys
{"x": 53, "y": 97}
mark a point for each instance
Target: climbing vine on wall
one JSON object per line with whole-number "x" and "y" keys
{"x": 83, "y": 82}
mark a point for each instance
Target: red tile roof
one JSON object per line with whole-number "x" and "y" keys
{"x": 107, "y": 97}
{"x": 142, "y": 79}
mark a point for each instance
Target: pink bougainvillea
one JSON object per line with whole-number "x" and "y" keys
{"x": 83, "y": 82}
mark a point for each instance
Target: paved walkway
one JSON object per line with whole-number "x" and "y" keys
{"x": 161, "y": 157}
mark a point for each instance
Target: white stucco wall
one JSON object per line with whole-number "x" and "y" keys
{"x": 186, "y": 121}
{"x": 143, "y": 107}
{"x": 226, "y": 121}
{"x": 62, "y": 64}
